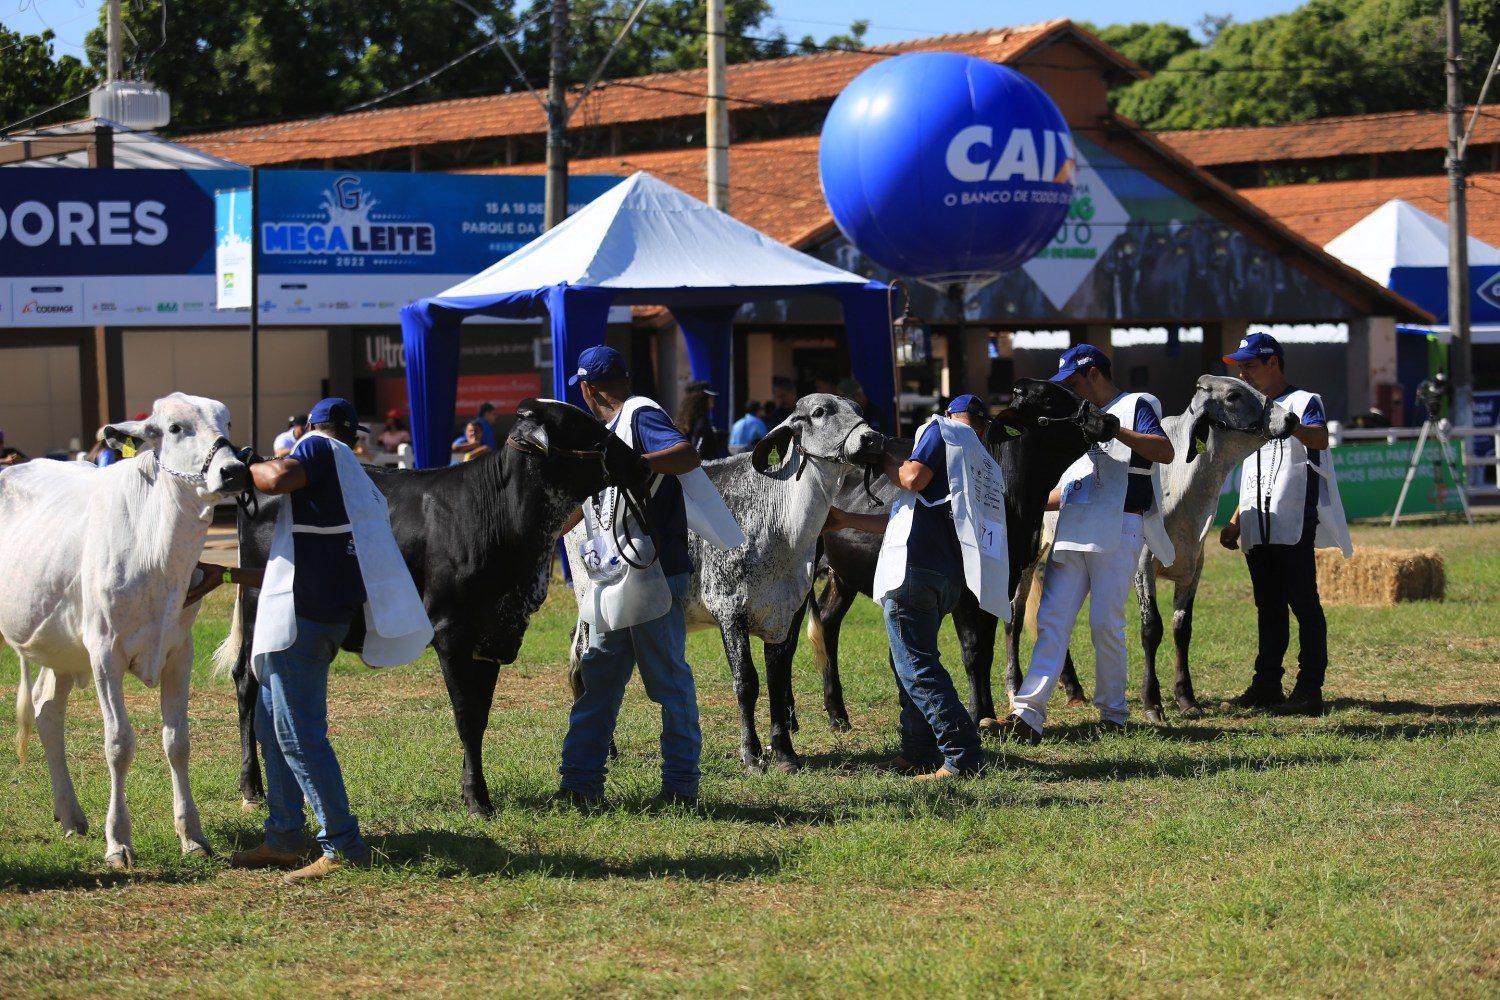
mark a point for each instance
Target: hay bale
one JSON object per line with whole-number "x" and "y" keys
{"x": 1381, "y": 576}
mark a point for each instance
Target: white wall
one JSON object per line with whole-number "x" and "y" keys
{"x": 216, "y": 363}
{"x": 40, "y": 401}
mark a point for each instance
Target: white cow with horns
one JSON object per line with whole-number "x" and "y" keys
{"x": 97, "y": 563}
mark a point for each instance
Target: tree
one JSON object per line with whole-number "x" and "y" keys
{"x": 1149, "y": 45}
{"x": 31, "y": 82}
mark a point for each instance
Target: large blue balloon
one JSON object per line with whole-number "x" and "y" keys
{"x": 941, "y": 166}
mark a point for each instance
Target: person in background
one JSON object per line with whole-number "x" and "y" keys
{"x": 693, "y": 420}
{"x": 855, "y": 393}
{"x": 8, "y": 455}
{"x": 1280, "y": 522}
{"x": 462, "y": 445}
{"x": 474, "y": 440}
{"x": 747, "y": 430}
{"x": 1109, "y": 504}
{"x": 824, "y": 384}
{"x": 101, "y": 454}
{"x": 783, "y": 400}
{"x": 296, "y": 426}
{"x": 394, "y": 434}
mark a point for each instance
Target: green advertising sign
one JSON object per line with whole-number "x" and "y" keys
{"x": 1370, "y": 477}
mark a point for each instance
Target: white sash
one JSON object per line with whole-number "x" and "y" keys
{"x": 1273, "y": 486}
{"x": 396, "y": 624}
{"x": 976, "y": 489}
{"x": 1092, "y": 515}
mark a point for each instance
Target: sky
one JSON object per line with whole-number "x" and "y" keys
{"x": 890, "y": 20}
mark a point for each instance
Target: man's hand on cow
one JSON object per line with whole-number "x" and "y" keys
{"x": 248, "y": 456}
{"x": 838, "y": 520}
{"x": 212, "y": 577}
{"x": 1229, "y": 535}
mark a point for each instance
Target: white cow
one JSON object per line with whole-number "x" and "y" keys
{"x": 96, "y": 565}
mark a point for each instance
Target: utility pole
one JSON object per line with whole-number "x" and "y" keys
{"x": 557, "y": 118}
{"x": 114, "y": 32}
{"x": 1460, "y": 354}
{"x": 718, "y": 111}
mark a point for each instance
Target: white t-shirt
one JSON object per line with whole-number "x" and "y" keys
{"x": 285, "y": 441}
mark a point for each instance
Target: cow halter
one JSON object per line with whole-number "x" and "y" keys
{"x": 200, "y": 478}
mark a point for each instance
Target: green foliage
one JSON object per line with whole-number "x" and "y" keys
{"x": 31, "y": 81}
{"x": 1151, "y": 45}
{"x": 1328, "y": 57}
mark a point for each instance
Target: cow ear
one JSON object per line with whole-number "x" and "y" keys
{"x": 127, "y": 437}
{"x": 1194, "y": 437}
{"x": 777, "y": 443}
{"x": 1004, "y": 427}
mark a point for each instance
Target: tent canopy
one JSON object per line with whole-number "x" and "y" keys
{"x": 642, "y": 242}
{"x": 1406, "y": 249}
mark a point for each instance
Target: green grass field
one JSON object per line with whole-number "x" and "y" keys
{"x": 1353, "y": 855}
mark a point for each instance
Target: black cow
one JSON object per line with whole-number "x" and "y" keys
{"x": 478, "y": 539}
{"x": 1044, "y": 430}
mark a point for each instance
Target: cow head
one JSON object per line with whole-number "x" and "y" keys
{"x": 1229, "y": 404}
{"x": 824, "y": 427}
{"x": 579, "y": 454}
{"x": 1038, "y": 404}
{"x": 189, "y": 436}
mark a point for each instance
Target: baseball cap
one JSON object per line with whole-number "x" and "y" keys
{"x": 297, "y": 420}
{"x": 1257, "y": 345}
{"x": 392, "y": 414}
{"x": 599, "y": 363}
{"x": 969, "y": 403}
{"x": 1077, "y": 358}
{"x": 334, "y": 410}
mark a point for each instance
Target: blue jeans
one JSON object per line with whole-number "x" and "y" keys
{"x": 291, "y": 724}
{"x": 658, "y": 648}
{"x": 935, "y": 727}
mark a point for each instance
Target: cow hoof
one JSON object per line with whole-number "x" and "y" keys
{"x": 787, "y": 765}
{"x": 122, "y": 860}
{"x": 481, "y": 810}
{"x": 1074, "y": 700}
{"x": 197, "y": 849}
{"x": 1191, "y": 710}
{"x": 990, "y": 727}
{"x": 249, "y": 805}
{"x": 81, "y": 830}
{"x": 839, "y": 725}
{"x": 1156, "y": 716}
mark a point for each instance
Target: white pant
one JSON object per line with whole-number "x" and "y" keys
{"x": 1072, "y": 576}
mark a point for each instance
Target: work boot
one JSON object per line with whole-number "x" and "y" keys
{"x": 266, "y": 856}
{"x": 1108, "y": 728}
{"x": 1015, "y": 729}
{"x": 666, "y": 801}
{"x": 901, "y": 765}
{"x": 1302, "y": 702}
{"x": 586, "y": 804}
{"x": 323, "y": 867}
{"x": 1257, "y": 697}
{"x": 944, "y": 773}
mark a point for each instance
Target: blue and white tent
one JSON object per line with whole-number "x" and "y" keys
{"x": 642, "y": 243}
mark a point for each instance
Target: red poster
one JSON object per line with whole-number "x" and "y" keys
{"x": 505, "y": 391}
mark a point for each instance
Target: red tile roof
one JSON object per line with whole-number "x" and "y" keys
{"x": 774, "y": 184}
{"x": 793, "y": 79}
{"x": 1319, "y": 212}
{"x": 1390, "y": 132}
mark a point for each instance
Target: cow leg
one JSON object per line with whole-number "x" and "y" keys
{"x": 1182, "y": 637}
{"x": 246, "y": 694}
{"x": 1071, "y": 686}
{"x": 50, "y": 697}
{"x": 175, "y": 675}
{"x": 119, "y": 752}
{"x": 471, "y": 689}
{"x": 1151, "y": 635}
{"x": 746, "y": 689}
{"x": 779, "y": 693}
{"x": 823, "y": 629}
{"x": 976, "y": 642}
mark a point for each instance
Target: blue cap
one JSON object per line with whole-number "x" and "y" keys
{"x": 1257, "y": 345}
{"x": 334, "y": 410}
{"x": 969, "y": 403}
{"x": 599, "y": 363}
{"x": 1076, "y": 359}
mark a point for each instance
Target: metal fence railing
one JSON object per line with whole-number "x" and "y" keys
{"x": 1480, "y": 455}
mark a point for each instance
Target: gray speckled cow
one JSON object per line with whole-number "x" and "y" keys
{"x": 760, "y": 589}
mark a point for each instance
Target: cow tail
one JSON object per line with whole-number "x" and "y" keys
{"x": 25, "y": 711}
{"x": 228, "y": 653}
{"x": 815, "y": 635}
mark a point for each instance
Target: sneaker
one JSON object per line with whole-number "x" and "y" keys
{"x": 944, "y": 773}
{"x": 1300, "y": 703}
{"x": 323, "y": 867}
{"x": 578, "y": 800}
{"x": 1017, "y": 730}
{"x": 266, "y": 856}
{"x": 1257, "y": 697}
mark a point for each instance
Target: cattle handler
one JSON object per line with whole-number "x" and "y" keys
{"x": 636, "y": 614}
{"x": 333, "y": 556}
{"x": 945, "y": 532}
{"x": 1289, "y": 503}
{"x": 1109, "y": 504}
